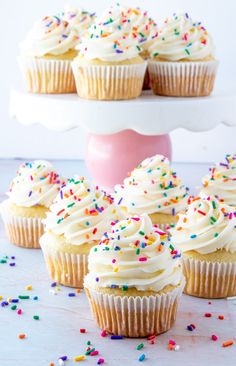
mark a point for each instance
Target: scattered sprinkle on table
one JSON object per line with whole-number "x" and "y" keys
{"x": 28, "y": 288}
{"x": 142, "y": 357}
{"x": 221, "y": 317}
{"x": 21, "y": 336}
{"x": 214, "y": 337}
{"x": 82, "y": 330}
{"x": 79, "y": 358}
{"x": 116, "y": 337}
{"x": 36, "y": 317}
{"x": 228, "y": 343}
{"x": 208, "y": 315}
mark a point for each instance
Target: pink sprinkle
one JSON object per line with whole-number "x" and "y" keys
{"x": 214, "y": 337}
{"x": 19, "y": 311}
{"x": 142, "y": 259}
{"x": 100, "y": 361}
{"x": 113, "y": 260}
{"x": 104, "y": 333}
{"x": 135, "y": 218}
{"x": 172, "y": 342}
{"x": 94, "y": 353}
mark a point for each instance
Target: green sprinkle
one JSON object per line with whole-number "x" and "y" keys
{"x": 71, "y": 204}
{"x": 89, "y": 351}
{"x": 214, "y": 205}
{"x": 88, "y": 343}
{"x": 140, "y": 346}
{"x": 60, "y": 220}
{"x": 125, "y": 288}
{"x": 13, "y": 307}
{"x": 87, "y": 223}
{"x": 24, "y": 297}
{"x": 3, "y": 261}
{"x": 138, "y": 251}
{"x": 141, "y": 232}
{"x": 36, "y": 317}
{"x": 139, "y": 49}
{"x": 171, "y": 247}
{"x": 187, "y": 51}
{"x": 155, "y": 54}
{"x": 216, "y": 234}
{"x": 213, "y": 218}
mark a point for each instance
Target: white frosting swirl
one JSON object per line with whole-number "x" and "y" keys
{"x": 110, "y": 38}
{"x": 142, "y": 26}
{"x": 152, "y": 187}
{"x": 221, "y": 181}
{"x": 135, "y": 254}
{"x": 79, "y": 19}
{"x": 36, "y": 184}
{"x": 207, "y": 225}
{"x": 50, "y": 36}
{"x": 182, "y": 38}
{"x": 81, "y": 213}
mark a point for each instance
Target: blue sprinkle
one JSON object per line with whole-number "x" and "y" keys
{"x": 142, "y": 357}
{"x": 35, "y": 298}
{"x": 14, "y": 301}
{"x": 53, "y": 284}
{"x": 116, "y": 337}
{"x": 71, "y": 294}
{"x": 193, "y": 236}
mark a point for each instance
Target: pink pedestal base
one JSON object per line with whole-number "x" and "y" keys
{"x": 109, "y": 158}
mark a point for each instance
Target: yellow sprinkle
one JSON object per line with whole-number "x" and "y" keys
{"x": 9, "y": 299}
{"x": 58, "y": 289}
{"x": 116, "y": 269}
{"x": 79, "y": 358}
{"x": 28, "y": 288}
{"x": 1, "y": 297}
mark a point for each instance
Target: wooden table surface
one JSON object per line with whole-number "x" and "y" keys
{"x": 57, "y": 332}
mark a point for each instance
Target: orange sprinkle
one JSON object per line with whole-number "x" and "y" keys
{"x": 179, "y": 228}
{"x": 185, "y": 219}
{"x": 78, "y": 290}
{"x": 228, "y": 343}
{"x": 52, "y": 364}
{"x": 160, "y": 248}
{"x": 21, "y": 336}
{"x": 221, "y": 317}
{"x": 87, "y": 236}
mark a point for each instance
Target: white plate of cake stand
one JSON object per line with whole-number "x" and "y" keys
{"x": 123, "y": 133}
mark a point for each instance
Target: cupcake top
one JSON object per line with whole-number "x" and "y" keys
{"x": 50, "y": 36}
{"x": 207, "y": 226}
{"x": 36, "y": 184}
{"x": 110, "y": 38}
{"x": 152, "y": 187}
{"x": 134, "y": 254}
{"x": 221, "y": 182}
{"x": 181, "y": 38}
{"x": 78, "y": 19}
{"x": 143, "y": 27}
{"x": 81, "y": 212}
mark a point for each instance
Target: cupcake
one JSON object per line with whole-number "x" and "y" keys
{"x": 78, "y": 218}
{"x": 46, "y": 56}
{"x": 221, "y": 182}
{"x": 109, "y": 66}
{"x": 144, "y": 28}
{"x": 30, "y": 195}
{"x": 78, "y": 19}
{"x": 135, "y": 279}
{"x": 182, "y": 59}
{"x": 153, "y": 188}
{"x": 206, "y": 235}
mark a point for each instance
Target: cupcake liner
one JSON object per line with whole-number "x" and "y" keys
{"x": 47, "y": 76}
{"x": 209, "y": 279}
{"x": 182, "y": 79}
{"x": 22, "y": 231}
{"x": 109, "y": 82}
{"x": 65, "y": 268}
{"x": 135, "y": 316}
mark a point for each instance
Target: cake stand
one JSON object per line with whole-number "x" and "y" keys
{"x": 122, "y": 133}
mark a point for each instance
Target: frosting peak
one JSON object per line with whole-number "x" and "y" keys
{"x": 207, "y": 226}
{"x": 50, "y": 36}
{"x": 152, "y": 187}
{"x": 36, "y": 183}
{"x": 110, "y": 38}
{"x": 78, "y": 19}
{"x": 221, "y": 181}
{"x": 81, "y": 212}
{"x": 134, "y": 254}
{"x": 182, "y": 38}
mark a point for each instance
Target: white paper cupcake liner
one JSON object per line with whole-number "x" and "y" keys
{"x": 47, "y": 76}
{"x": 135, "y": 316}
{"x": 65, "y": 268}
{"x": 22, "y": 231}
{"x": 182, "y": 78}
{"x": 209, "y": 279}
{"x": 109, "y": 82}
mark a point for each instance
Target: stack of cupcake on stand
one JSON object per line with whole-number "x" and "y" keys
{"x": 125, "y": 247}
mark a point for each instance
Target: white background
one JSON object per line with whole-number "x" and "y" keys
{"x": 18, "y": 17}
